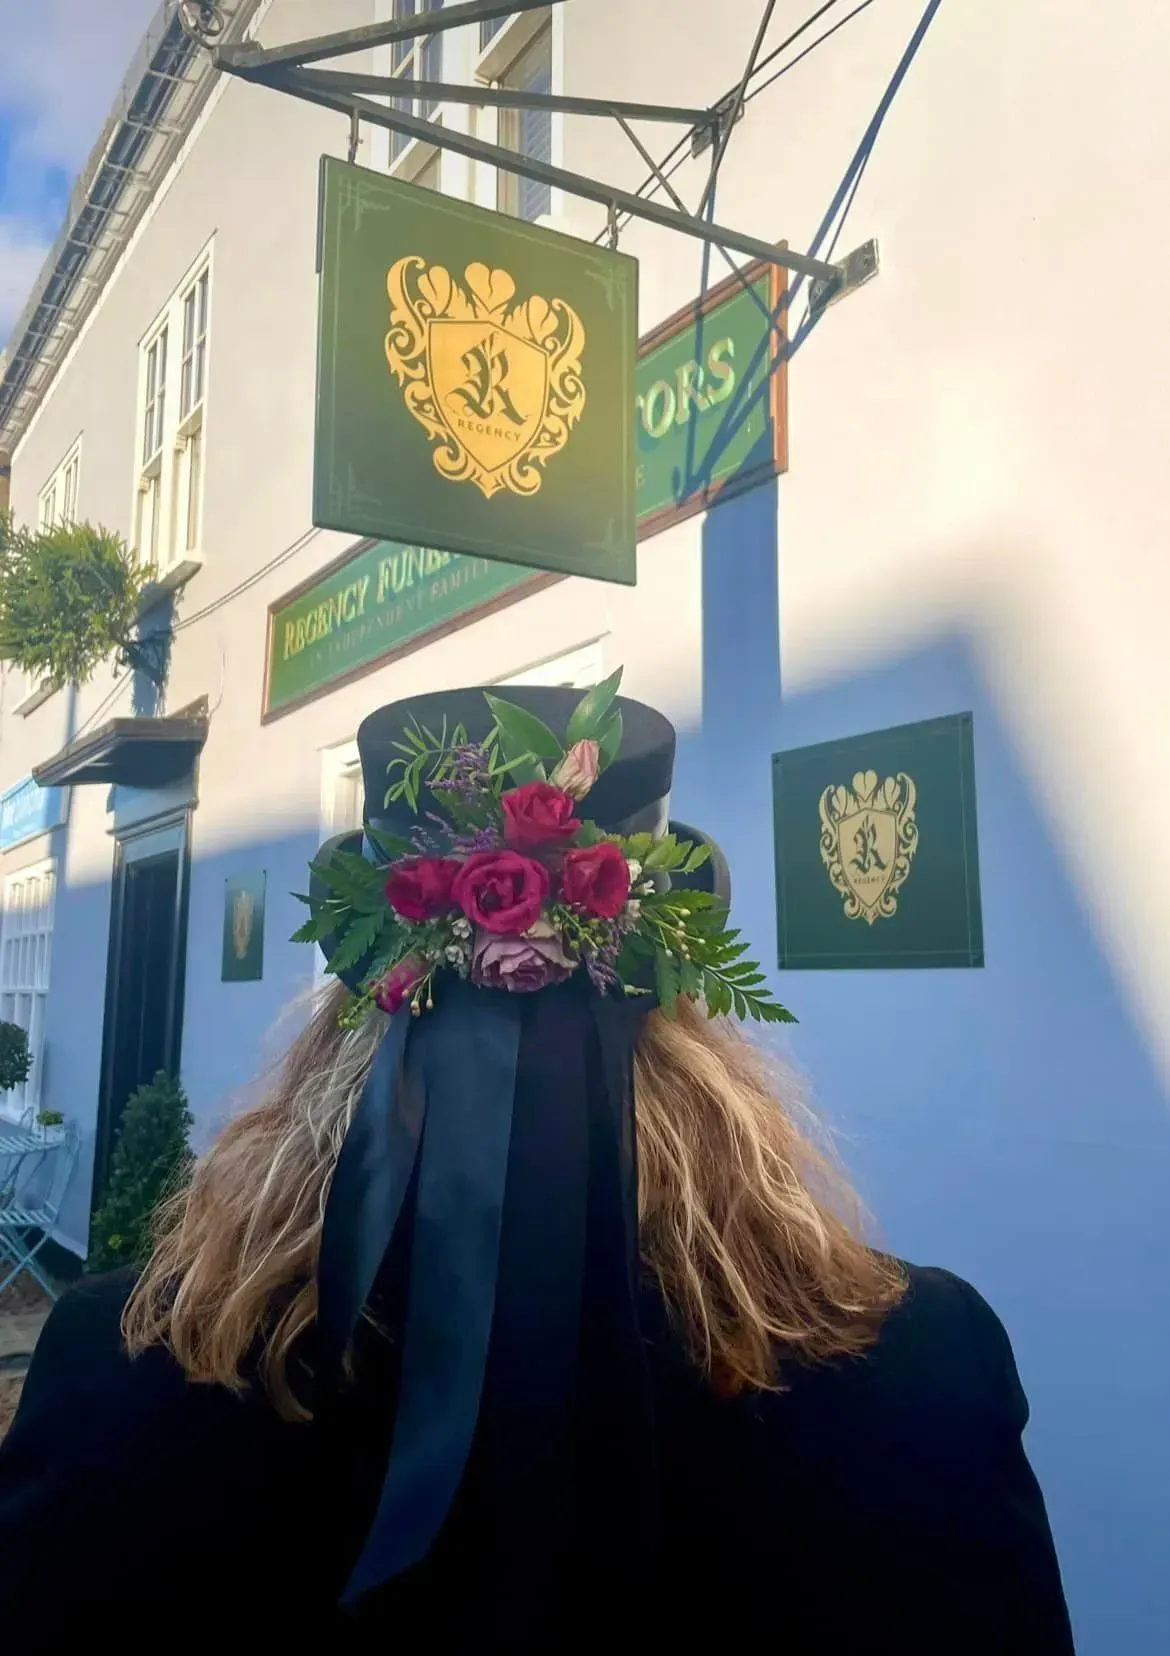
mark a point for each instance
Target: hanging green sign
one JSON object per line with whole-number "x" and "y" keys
{"x": 711, "y": 399}
{"x": 877, "y": 856}
{"x": 369, "y": 605}
{"x": 709, "y": 414}
{"x": 475, "y": 386}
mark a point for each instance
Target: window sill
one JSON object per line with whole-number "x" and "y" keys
{"x": 35, "y": 698}
{"x": 409, "y": 162}
{"x": 500, "y": 54}
{"x": 171, "y": 580}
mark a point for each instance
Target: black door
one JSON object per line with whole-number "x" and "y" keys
{"x": 144, "y": 980}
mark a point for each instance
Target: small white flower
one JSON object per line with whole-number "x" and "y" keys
{"x": 633, "y": 909}
{"x": 455, "y": 953}
{"x": 461, "y": 927}
{"x": 635, "y": 868}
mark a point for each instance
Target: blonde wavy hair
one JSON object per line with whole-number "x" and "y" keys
{"x": 751, "y": 1232}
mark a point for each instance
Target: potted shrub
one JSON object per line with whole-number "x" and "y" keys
{"x": 15, "y": 1058}
{"x": 150, "y": 1159}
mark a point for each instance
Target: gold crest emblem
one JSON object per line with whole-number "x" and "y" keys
{"x": 243, "y": 919}
{"x": 868, "y": 839}
{"x": 494, "y": 380}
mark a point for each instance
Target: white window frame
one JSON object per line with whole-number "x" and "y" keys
{"x": 341, "y": 772}
{"x": 22, "y": 694}
{"x": 26, "y": 948}
{"x": 510, "y": 187}
{"x": 57, "y": 503}
{"x": 411, "y": 60}
{"x": 580, "y": 668}
{"x": 341, "y": 786}
{"x": 170, "y": 435}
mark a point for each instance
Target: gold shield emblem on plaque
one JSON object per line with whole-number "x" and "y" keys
{"x": 494, "y": 380}
{"x": 868, "y": 839}
{"x": 243, "y": 919}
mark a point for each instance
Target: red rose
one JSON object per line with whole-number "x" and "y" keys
{"x": 501, "y": 890}
{"x": 538, "y": 814}
{"x": 420, "y": 887}
{"x": 596, "y": 879}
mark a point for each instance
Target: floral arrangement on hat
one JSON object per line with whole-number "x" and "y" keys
{"x": 513, "y": 887}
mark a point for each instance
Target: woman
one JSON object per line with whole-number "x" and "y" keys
{"x": 433, "y": 1342}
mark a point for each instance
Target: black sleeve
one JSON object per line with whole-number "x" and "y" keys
{"x": 126, "y": 1491}
{"x": 1013, "y": 1578}
{"x": 51, "y": 1489}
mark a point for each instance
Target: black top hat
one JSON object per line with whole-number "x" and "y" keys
{"x": 631, "y": 796}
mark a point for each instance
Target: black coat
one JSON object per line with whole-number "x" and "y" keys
{"x": 880, "y": 1504}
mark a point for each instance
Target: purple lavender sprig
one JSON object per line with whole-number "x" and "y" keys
{"x": 466, "y": 774}
{"x": 480, "y": 839}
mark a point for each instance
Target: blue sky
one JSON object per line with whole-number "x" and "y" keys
{"x": 61, "y": 64}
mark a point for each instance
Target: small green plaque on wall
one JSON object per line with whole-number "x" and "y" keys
{"x": 877, "y": 857}
{"x": 475, "y": 383}
{"x": 243, "y": 928}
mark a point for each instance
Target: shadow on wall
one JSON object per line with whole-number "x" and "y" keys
{"x": 1005, "y": 1122}
{"x": 229, "y": 1029}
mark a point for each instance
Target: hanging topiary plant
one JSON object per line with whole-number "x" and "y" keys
{"x": 70, "y": 596}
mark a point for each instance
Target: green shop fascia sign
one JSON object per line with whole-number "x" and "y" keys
{"x": 712, "y": 399}
{"x": 370, "y": 605}
{"x": 710, "y": 421}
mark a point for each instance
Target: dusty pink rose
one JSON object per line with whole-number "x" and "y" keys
{"x": 577, "y": 771}
{"x": 520, "y": 964}
{"x": 399, "y": 983}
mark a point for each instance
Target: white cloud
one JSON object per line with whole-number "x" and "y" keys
{"x": 61, "y": 65}
{"x": 22, "y": 252}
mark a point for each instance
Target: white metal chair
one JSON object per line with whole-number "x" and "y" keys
{"x": 28, "y": 1218}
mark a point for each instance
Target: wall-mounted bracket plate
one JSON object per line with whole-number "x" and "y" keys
{"x": 855, "y": 269}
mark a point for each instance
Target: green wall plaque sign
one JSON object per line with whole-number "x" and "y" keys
{"x": 475, "y": 385}
{"x": 371, "y": 604}
{"x": 877, "y": 858}
{"x": 243, "y": 928}
{"x": 712, "y": 399}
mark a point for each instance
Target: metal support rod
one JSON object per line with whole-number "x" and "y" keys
{"x": 558, "y": 178}
{"x": 248, "y": 55}
{"x": 723, "y": 132}
{"x": 665, "y": 184}
{"x": 390, "y": 86}
{"x": 355, "y": 135}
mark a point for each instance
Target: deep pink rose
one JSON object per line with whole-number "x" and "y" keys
{"x": 521, "y": 964}
{"x": 399, "y": 983}
{"x": 596, "y": 880}
{"x": 419, "y": 888}
{"x": 501, "y": 890}
{"x": 538, "y": 814}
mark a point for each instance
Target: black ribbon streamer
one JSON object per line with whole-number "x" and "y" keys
{"x": 499, "y": 1128}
